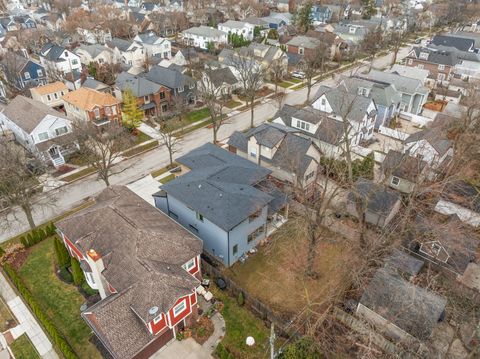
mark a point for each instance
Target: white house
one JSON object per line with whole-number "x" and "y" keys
{"x": 128, "y": 52}
{"x": 239, "y": 28}
{"x": 97, "y": 34}
{"x": 431, "y": 145}
{"x": 50, "y": 94}
{"x": 154, "y": 45}
{"x": 46, "y": 133}
{"x": 60, "y": 60}
{"x": 202, "y": 36}
{"x": 96, "y": 53}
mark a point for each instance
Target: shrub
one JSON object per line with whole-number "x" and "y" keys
{"x": 59, "y": 340}
{"x": 63, "y": 258}
{"x": 78, "y": 277}
{"x": 37, "y": 235}
{"x": 2, "y": 251}
{"x": 88, "y": 290}
{"x": 65, "y": 275}
{"x": 240, "y": 299}
{"x": 222, "y": 352}
{"x": 24, "y": 241}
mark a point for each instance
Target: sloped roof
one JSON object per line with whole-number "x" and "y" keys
{"x": 168, "y": 77}
{"x": 220, "y": 186}
{"x": 464, "y": 194}
{"x": 87, "y": 98}
{"x": 375, "y": 197}
{"x": 411, "y": 308}
{"x": 447, "y": 58}
{"x": 403, "y": 262}
{"x": 401, "y": 83}
{"x": 204, "y": 31}
{"x": 234, "y": 24}
{"x": 304, "y": 41}
{"x": 50, "y": 88}
{"x": 436, "y": 137}
{"x": 403, "y": 165}
{"x": 93, "y": 50}
{"x": 383, "y": 94}
{"x": 27, "y": 113}
{"x": 139, "y": 86}
{"x": 120, "y": 44}
{"x": 221, "y": 75}
{"x": 94, "y": 84}
{"x": 460, "y": 43}
{"x": 52, "y": 52}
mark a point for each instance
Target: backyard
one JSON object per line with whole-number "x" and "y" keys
{"x": 23, "y": 348}
{"x": 278, "y": 270}
{"x": 60, "y": 301}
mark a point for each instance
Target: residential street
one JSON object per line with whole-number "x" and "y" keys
{"x": 135, "y": 168}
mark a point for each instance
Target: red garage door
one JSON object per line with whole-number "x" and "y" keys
{"x": 155, "y": 345}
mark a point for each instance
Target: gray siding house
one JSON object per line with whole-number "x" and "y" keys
{"x": 224, "y": 199}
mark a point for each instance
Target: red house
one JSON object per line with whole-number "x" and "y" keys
{"x": 145, "y": 266}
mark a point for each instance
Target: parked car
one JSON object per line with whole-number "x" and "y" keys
{"x": 298, "y": 75}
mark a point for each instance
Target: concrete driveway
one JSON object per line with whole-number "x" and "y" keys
{"x": 185, "y": 349}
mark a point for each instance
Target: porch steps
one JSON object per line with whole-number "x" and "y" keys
{"x": 58, "y": 161}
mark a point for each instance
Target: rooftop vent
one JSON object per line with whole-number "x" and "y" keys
{"x": 153, "y": 310}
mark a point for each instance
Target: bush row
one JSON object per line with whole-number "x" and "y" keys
{"x": 37, "y": 235}
{"x": 59, "y": 340}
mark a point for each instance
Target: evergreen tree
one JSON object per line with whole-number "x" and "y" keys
{"x": 303, "y": 18}
{"x": 63, "y": 258}
{"x": 132, "y": 114}
{"x": 78, "y": 277}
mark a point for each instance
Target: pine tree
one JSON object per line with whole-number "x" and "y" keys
{"x": 63, "y": 258}
{"x": 131, "y": 113}
{"x": 78, "y": 277}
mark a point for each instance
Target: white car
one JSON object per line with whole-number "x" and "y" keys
{"x": 298, "y": 75}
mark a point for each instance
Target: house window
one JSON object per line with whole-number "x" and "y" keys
{"x": 235, "y": 249}
{"x": 49, "y": 98}
{"x": 180, "y": 89}
{"x": 180, "y": 308}
{"x": 301, "y": 50}
{"x": 157, "y": 319}
{"x": 26, "y": 75}
{"x": 162, "y": 95}
{"x": 441, "y": 77}
{"x": 193, "y": 228}
{"x": 199, "y": 216}
{"x": 441, "y": 67}
{"x": 66, "y": 53}
{"x": 310, "y": 175}
{"x": 61, "y": 130}
{"x": 189, "y": 265}
{"x": 173, "y": 215}
{"x": 255, "y": 234}
{"x": 43, "y": 136}
{"x": 424, "y": 55}
{"x": 114, "y": 110}
{"x": 253, "y": 152}
{"x": 39, "y": 72}
{"x": 74, "y": 62}
{"x": 97, "y": 112}
{"x": 395, "y": 181}
{"x": 410, "y": 61}
{"x": 55, "y": 95}
{"x": 420, "y": 66}
{"x": 146, "y": 99}
{"x": 164, "y": 108}
{"x": 254, "y": 216}
{"x": 107, "y": 110}
{"x": 324, "y": 102}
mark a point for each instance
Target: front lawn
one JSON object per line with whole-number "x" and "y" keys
{"x": 23, "y": 348}
{"x": 233, "y": 104}
{"x": 139, "y": 149}
{"x": 141, "y": 137}
{"x": 276, "y": 274}
{"x": 167, "y": 179}
{"x": 79, "y": 174}
{"x": 7, "y": 320}
{"x": 285, "y": 84}
{"x": 195, "y": 116}
{"x": 240, "y": 324}
{"x": 60, "y": 301}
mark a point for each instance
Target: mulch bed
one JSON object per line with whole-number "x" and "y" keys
{"x": 15, "y": 255}
{"x": 202, "y": 330}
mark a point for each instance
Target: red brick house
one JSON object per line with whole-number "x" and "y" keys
{"x": 438, "y": 63}
{"x": 145, "y": 266}
{"x": 91, "y": 105}
{"x": 154, "y": 99}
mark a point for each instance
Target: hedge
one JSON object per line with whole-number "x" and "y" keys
{"x": 222, "y": 352}
{"x": 37, "y": 235}
{"x": 57, "y": 337}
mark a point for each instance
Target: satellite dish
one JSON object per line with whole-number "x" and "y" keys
{"x": 250, "y": 341}
{"x": 153, "y": 310}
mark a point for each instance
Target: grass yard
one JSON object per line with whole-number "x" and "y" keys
{"x": 233, "y": 104}
{"x": 141, "y": 137}
{"x": 192, "y": 128}
{"x": 278, "y": 270}
{"x": 298, "y": 87}
{"x": 240, "y": 324}
{"x": 140, "y": 149}
{"x": 195, "y": 116}
{"x": 82, "y": 173}
{"x": 294, "y": 80}
{"x": 167, "y": 178}
{"x": 23, "y": 348}
{"x": 7, "y": 320}
{"x": 285, "y": 84}
{"x": 161, "y": 171}
{"x": 60, "y": 301}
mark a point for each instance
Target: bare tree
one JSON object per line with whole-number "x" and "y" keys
{"x": 396, "y": 40}
{"x": 20, "y": 182}
{"x": 167, "y": 131}
{"x": 101, "y": 148}
{"x": 314, "y": 64}
{"x": 213, "y": 97}
{"x": 251, "y": 74}
{"x": 372, "y": 43}
{"x": 277, "y": 72}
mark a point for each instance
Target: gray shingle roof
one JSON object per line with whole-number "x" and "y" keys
{"x": 401, "y": 83}
{"x": 404, "y": 263}
{"x": 168, "y": 77}
{"x": 149, "y": 38}
{"x": 411, "y": 308}
{"x": 463, "y": 194}
{"x": 233, "y": 24}
{"x": 375, "y": 197}
{"x": 27, "y": 113}
{"x": 447, "y": 58}
{"x": 52, "y": 52}
{"x": 221, "y": 75}
{"x": 305, "y": 41}
{"x": 383, "y": 94}
{"x": 403, "y": 165}
{"x": 436, "y": 137}
{"x": 220, "y": 186}
{"x": 460, "y": 43}
{"x": 138, "y": 85}
{"x": 94, "y": 50}
{"x": 120, "y": 44}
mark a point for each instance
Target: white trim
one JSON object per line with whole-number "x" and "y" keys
{"x": 184, "y": 303}
{"x": 189, "y": 265}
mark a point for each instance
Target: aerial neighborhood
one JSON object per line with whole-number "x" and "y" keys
{"x": 291, "y": 179}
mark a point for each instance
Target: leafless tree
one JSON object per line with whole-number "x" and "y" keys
{"x": 396, "y": 40}
{"x": 372, "y": 43}
{"x": 102, "y": 147}
{"x": 167, "y": 131}
{"x": 314, "y": 65}
{"x": 251, "y": 74}
{"x": 213, "y": 97}
{"x": 277, "y": 71}
{"x": 20, "y": 182}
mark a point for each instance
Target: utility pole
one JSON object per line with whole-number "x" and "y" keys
{"x": 272, "y": 341}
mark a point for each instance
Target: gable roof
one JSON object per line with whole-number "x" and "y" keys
{"x": 168, "y": 77}
{"x": 93, "y": 50}
{"x": 460, "y": 43}
{"x": 382, "y": 93}
{"x": 52, "y": 52}
{"x": 464, "y": 194}
{"x": 220, "y": 186}
{"x": 233, "y": 24}
{"x": 411, "y": 308}
{"x": 375, "y": 197}
{"x": 401, "y": 83}
{"x": 204, "y": 31}
{"x": 87, "y": 99}
{"x": 90, "y": 82}
{"x": 27, "y": 113}
{"x": 435, "y": 56}
{"x": 304, "y": 41}
{"x": 403, "y": 165}
{"x": 150, "y": 38}
{"x": 221, "y": 75}
{"x": 411, "y": 72}
{"x": 142, "y": 250}
{"x": 50, "y": 88}
{"x": 121, "y": 44}
{"x": 139, "y": 86}
{"x": 436, "y": 137}
{"x": 403, "y": 262}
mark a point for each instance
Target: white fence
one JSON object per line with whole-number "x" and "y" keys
{"x": 399, "y": 135}
{"x": 416, "y": 119}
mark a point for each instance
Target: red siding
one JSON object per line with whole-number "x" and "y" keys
{"x": 73, "y": 249}
{"x": 196, "y": 268}
{"x": 193, "y": 298}
{"x": 111, "y": 289}
{"x": 174, "y": 320}
{"x": 156, "y": 328}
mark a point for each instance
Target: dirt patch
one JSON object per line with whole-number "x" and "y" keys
{"x": 202, "y": 330}
{"x": 15, "y": 255}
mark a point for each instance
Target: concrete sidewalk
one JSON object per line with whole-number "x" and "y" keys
{"x": 27, "y": 323}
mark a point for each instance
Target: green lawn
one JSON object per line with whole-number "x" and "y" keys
{"x": 192, "y": 128}
{"x": 23, "y": 348}
{"x": 161, "y": 171}
{"x": 60, "y": 301}
{"x": 141, "y": 137}
{"x": 298, "y": 87}
{"x": 240, "y": 324}
{"x": 140, "y": 149}
{"x": 285, "y": 84}
{"x": 167, "y": 178}
{"x": 294, "y": 80}
{"x": 194, "y": 116}
{"x": 7, "y": 320}
{"x": 233, "y": 104}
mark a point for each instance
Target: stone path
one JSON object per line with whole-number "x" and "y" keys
{"x": 27, "y": 322}
{"x": 218, "y": 332}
